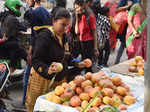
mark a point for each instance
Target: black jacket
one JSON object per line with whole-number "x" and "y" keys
{"x": 10, "y": 25}
{"x": 47, "y": 50}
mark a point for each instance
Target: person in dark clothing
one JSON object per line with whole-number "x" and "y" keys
{"x": 39, "y": 17}
{"x": 36, "y": 16}
{"x": 57, "y": 4}
{"x": 123, "y": 5}
{"x": 10, "y": 29}
{"x": 28, "y": 23}
{"x": 46, "y": 56}
{"x": 95, "y": 5}
{"x": 103, "y": 28}
{"x": 28, "y": 13}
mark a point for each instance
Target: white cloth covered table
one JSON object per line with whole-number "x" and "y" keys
{"x": 136, "y": 85}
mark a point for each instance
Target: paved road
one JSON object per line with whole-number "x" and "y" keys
{"x": 16, "y": 91}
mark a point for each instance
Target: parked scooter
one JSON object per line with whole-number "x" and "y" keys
{"x": 17, "y": 75}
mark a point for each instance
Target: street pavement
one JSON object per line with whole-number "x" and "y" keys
{"x": 16, "y": 91}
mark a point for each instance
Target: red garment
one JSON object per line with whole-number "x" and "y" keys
{"x": 1, "y": 40}
{"x": 138, "y": 46}
{"x": 121, "y": 19}
{"x": 112, "y": 33}
{"x": 112, "y": 38}
{"x": 85, "y": 28}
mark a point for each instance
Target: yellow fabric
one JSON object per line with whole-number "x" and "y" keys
{"x": 40, "y": 27}
{"x": 37, "y": 86}
{"x": 114, "y": 25}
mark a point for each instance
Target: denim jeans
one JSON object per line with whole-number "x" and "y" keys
{"x": 25, "y": 83}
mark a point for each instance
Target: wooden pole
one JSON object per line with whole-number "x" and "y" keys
{"x": 147, "y": 65}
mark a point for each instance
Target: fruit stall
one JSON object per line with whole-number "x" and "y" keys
{"x": 132, "y": 67}
{"x": 104, "y": 91}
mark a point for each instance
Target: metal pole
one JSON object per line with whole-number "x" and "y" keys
{"x": 147, "y": 65}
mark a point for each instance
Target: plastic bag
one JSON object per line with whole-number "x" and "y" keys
{"x": 121, "y": 17}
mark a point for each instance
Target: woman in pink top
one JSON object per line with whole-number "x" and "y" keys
{"x": 137, "y": 47}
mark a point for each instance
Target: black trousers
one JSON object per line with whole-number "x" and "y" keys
{"x": 104, "y": 53}
{"x": 75, "y": 48}
{"x": 12, "y": 51}
{"x": 87, "y": 51}
{"x": 85, "y": 48}
{"x": 122, "y": 38}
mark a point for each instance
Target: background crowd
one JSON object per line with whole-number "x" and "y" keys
{"x": 89, "y": 30}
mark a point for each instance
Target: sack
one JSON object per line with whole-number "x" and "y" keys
{"x": 113, "y": 24}
{"x": 121, "y": 17}
{"x": 121, "y": 20}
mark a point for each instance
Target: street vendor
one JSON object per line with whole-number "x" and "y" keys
{"x": 51, "y": 48}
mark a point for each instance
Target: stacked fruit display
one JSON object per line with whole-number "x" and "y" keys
{"x": 79, "y": 92}
{"x": 137, "y": 65}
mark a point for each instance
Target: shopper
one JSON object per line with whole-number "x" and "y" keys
{"x": 85, "y": 27}
{"x": 103, "y": 28}
{"x": 123, "y": 5}
{"x": 137, "y": 47}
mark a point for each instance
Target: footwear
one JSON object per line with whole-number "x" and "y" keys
{"x": 17, "y": 72}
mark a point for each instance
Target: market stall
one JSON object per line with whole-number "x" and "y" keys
{"x": 135, "y": 85}
{"x": 123, "y": 68}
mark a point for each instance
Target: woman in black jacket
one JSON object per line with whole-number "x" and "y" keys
{"x": 51, "y": 47}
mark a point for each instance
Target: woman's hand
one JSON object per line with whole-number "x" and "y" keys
{"x": 81, "y": 64}
{"x": 55, "y": 68}
{"x": 136, "y": 34}
{"x": 85, "y": 63}
{"x": 134, "y": 31}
